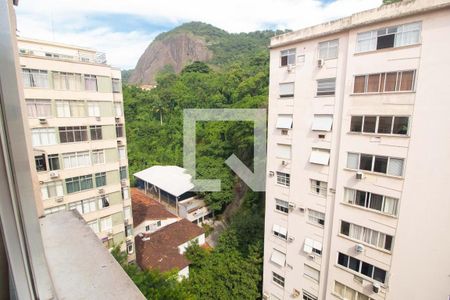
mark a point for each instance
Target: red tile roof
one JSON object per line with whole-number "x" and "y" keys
{"x": 161, "y": 250}
{"x": 146, "y": 208}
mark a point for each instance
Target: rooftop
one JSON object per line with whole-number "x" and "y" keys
{"x": 383, "y": 13}
{"x": 146, "y": 208}
{"x": 161, "y": 250}
{"x": 172, "y": 179}
{"x": 80, "y": 266}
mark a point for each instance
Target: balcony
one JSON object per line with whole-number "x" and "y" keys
{"x": 79, "y": 56}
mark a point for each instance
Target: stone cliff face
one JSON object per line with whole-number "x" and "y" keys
{"x": 176, "y": 50}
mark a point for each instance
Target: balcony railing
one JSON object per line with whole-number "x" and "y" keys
{"x": 94, "y": 57}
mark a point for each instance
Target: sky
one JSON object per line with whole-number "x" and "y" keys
{"x": 124, "y": 28}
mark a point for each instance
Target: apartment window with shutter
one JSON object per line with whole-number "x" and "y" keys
{"x": 316, "y": 217}
{"x": 401, "y": 81}
{"x": 94, "y": 226}
{"x": 282, "y": 205}
{"x": 286, "y": 90}
{"x": 345, "y": 292}
{"x": 52, "y": 189}
{"x": 287, "y": 57}
{"x": 118, "y": 109}
{"x": 122, "y": 153}
{"x": 320, "y": 156}
{"x": 39, "y": 108}
{"x": 381, "y": 203}
{"x": 308, "y": 296}
{"x": 279, "y": 231}
{"x": 278, "y": 279}
{"x": 326, "y": 87}
{"x": 98, "y": 157}
{"x": 103, "y": 201}
{"x": 322, "y": 123}
{"x": 311, "y": 246}
{"x": 43, "y": 136}
{"x": 278, "y": 258}
{"x": 96, "y": 132}
{"x": 55, "y": 209}
{"x": 311, "y": 273}
{"x": 39, "y": 161}
{"x": 328, "y": 49}
{"x": 90, "y": 82}
{"x": 70, "y": 108}
{"x": 283, "y": 151}
{"x": 319, "y": 187}
{"x": 71, "y": 134}
{"x": 283, "y": 178}
{"x": 53, "y": 162}
{"x": 35, "y": 78}
{"x": 125, "y": 193}
{"x": 284, "y": 122}
{"x": 100, "y": 179}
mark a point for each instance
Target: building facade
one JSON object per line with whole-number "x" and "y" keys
{"x": 75, "y": 109}
{"x": 357, "y": 139}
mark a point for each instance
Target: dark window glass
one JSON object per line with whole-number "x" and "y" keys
{"x": 345, "y": 228}
{"x": 100, "y": 179}
{"x": 105, "y": 202}
{"x": 361, "y": 198}
{"x": 388, "y": 242}
{"x": 86, "y": 182}
{"x": 385, "y": 41}
{"x": 96, "y": 132}
{"x": 376, "y": 201}
{"x": 284, "y": 60}
{"x": 380, "y": 165}
{"x": 400, "y": 125}
{"x": 366, "y": 269}
{"x": 369, "y": 124}
{"x": 53, "y": 162}
{"x": 321, "y": 221}
{"x": 379, "y": 275}
{"x": 40, "y": 163}
{"x": 360, "y": 82}
{"x": 384, "y": 124}
{"x": 342, "y": 259}
{"x": 366, "y": 162}
{"x": 119, "y": 130}
{"x": 354, "y": 264}
{"x": 123, "y": 173}
{"x": 356, "y": 124}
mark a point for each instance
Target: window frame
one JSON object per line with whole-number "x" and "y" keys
{"x": 283, "y": 179}
{"x": 326, "y": 91}
{"x": 326, "y": 45}
{"x": 358, "y": 232}
{"x": 316, "y": 217}
{"x": 278, "y": 279}
{"x": 377, "y": 125}
{"x": 288, "y": 53}
{"x": 382, "y": 85}
{"x": 317, "y": 188}
{"x": 367, "y": 201}
{"x": 374, "y": 157}
{"x": 282, "y": 206}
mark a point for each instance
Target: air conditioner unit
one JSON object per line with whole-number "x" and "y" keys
{"x": 321, "y": 136}
{"x": 101, "y": 191}
{"x": 98, "y": 118}
{"x": 119, "y": 142}
{"x": 117, "y": 120}
{"x": 59, "y": 199}
{"x": 320, "y": 63}
{"x": 359, "y": 175}
{"x": 42, "y": 121}
{"x": 295, "y": 293}
{"x": 266, "y": 296}
{"x": 291, "y": 239}
{"x": 311, "y": 256}
{"x": 284, "y": 163}
{"x": 290, "y": 67}
{"x": 53, "y": 174}
{"x": 271, "y": 173}
{"x": 301, "y": 209}
{"x": 376, "y": 287}
{"x": 291, "y": 205}
{"x": 359, "y": 248}
{"x": 284, "y": 132}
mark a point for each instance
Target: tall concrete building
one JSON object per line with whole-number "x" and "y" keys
{"x": 75, "y": 110}
{"x": 358, "y": 155}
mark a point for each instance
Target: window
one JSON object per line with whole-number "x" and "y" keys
{"x": 43, "y": 136}
{"x": 283, "y": 178}
{"x": 93, "y": 108}
{"x": 378, "y": 164}
{"x": 311, "y": 246}
{"x": 287, "y": 57}
{"x": 96, "y": 132}
{"x": 308, "y": 296}
{"x": 367, "y": 235}
{"x": 128, "y": 232}
{"x": 53, "y": 162}
{"x": 316, "y": 217}
{"x": 147, "y": 227}
{"x": 282, "y": 206}
{"x": 39, "y": 161}
{"x": 158, "y": 224}
{"x": 283, "y": 151}
{"x": 52, "y": 210}
{"x": 123, "y": 173}
{"x": 361, "y": 267}
{"x": 73, "y": 134}
{"x": 320, "y": 156}
{"x": 127, "y": 213}
{"x": 391, "y": 37}
{"x": 70, "y": 108}
{"x": 119, "y": 130}
{"x": 98, "y": 157}
{"x": 279, "y": 231}
{"x": 103, "y": 202}
{"x": 384, "y": 204}
{"x": 284, "y": 122}
{"x": 122, "y": 153}
{"x": 278, "y": 279}
{"x": 328, "y": 49}
{"x": 35, "y": 78}
{"x": 401, "y": 81}
{"x": 278, "y": 258}
{"x": 79, "y": 183}
{"x": 118, "y": 109}
{"x": 76, "y": 160}
{"x": 90, "y": 82}
{"x": 52, "y": 190}
{"x": 322, "y": 122}
{"x": 125, "y": 193}
{"x": 106, "y": 224}
{"x": 84, "y": 206}
{"x": 100, "y": 179}
{"x": 66, "y": 81}
{"x": 311, "y": 273}
{"x": 94, "y": 226}
{"x": 346, "y": 292}
{"x": 380, "y": 124}
{"x": 286, "y": 90}
{"x": 326, "y": 87}
{"x": 116, "y": 85}
{"x": 39, "y": 108}
{"x": 319, "y": 187}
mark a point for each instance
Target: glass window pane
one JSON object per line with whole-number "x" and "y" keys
{"x": 342, "y": 259}
{"x": 369, "y": 124}
{"x": 379, "y": 275}
{"x": 356, "y": 124}
{"x": 373, "y": 83}
{"x": 400, "y": 125}
{"x": 384, "y": 124}
{"x": 391, "y": 79}
{"x": 390, "y": 205}
{"x": 407, "y": 81}
{"x": 361, "y": 198}
{"x": 376, "y": 201}
{"x": 365, "y": 162}
{"x": 380, "y": 165}
{"x": 345, "y": 228}
{"x": 395, "y": 167}
{"x": 359, "y": 84}
{"x": 388, "y": 243}
{"x": 354, "y": 264}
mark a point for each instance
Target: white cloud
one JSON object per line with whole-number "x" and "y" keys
{"x": 69, "y": 21}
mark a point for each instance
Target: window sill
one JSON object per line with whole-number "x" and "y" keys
{"x": 280, "y": 238}
{"x": 278, "y": 285}
{"x": 325, "y": 96}
{"x": 387, "y": 49}
{"x": 315, "y": 224}
{"x": 310, "y": 278}
{"x": 382, "y": 93}
{"x": 364, "y": 277}
{"x": 375, "y": 173}
{"x": 369, "y": 210}
{"x": 285, "y": 98}
{"x": 281, "y": 212}
{"x": 283, "y": 186}
{"x": 378, "y": 134}
{"x": 364, "y": 243}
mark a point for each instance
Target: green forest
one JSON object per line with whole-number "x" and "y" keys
{"x": 237, "y": 77}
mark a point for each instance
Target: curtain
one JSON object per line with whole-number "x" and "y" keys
{"x": 360, "y": 82}
{"x": 395, "y": 167}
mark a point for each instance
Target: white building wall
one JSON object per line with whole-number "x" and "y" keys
{"x": 153, "y": 225}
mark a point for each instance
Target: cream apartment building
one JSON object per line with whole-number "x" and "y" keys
{"x": 75, "y": 109}
{"x": 358, "y": 157}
